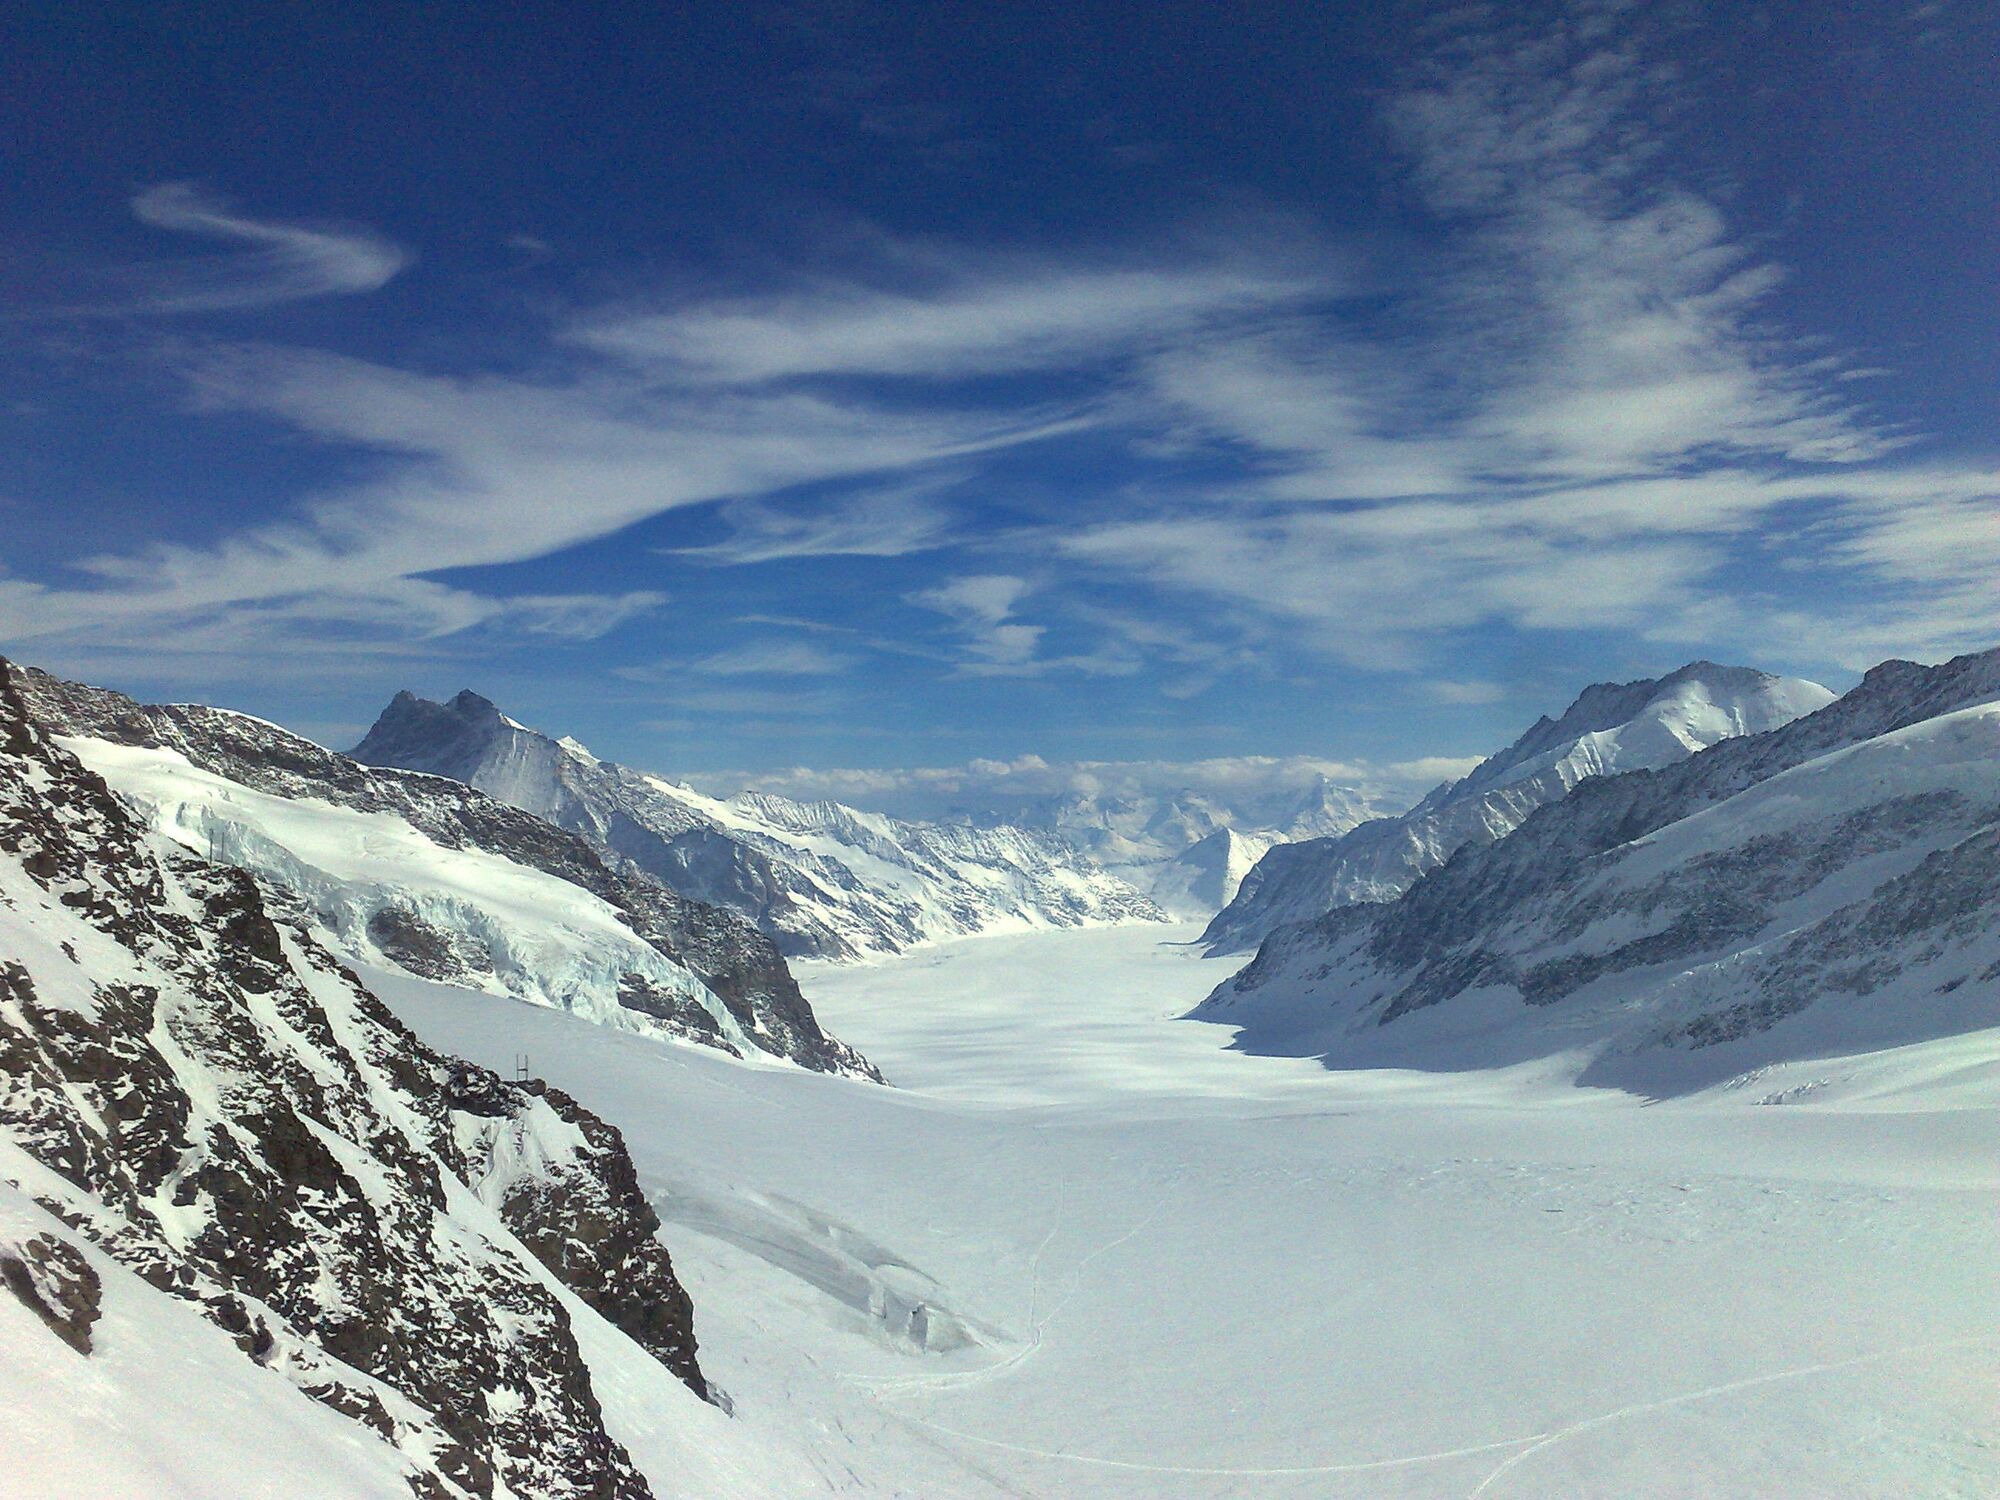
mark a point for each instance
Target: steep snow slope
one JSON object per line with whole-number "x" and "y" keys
{"x": 1831, "y": 885}
{"x": 222, "y": 1160}
{"x": 435, "y": 878}
{"x": 821, "y": 878}
{"x": 1611, "y": 728}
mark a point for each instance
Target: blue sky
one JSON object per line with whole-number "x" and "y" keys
{"x": 850, "y": 385}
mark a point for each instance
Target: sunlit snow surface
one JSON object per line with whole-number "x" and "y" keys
{"x": 1085, "y": 1251}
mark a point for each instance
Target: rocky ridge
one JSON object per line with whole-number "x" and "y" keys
{"x": 1611, "y": 727}
{"x": 630, "y": 950}
{"x": 193, "y": 1089}
{"x": 1828, "y": 883}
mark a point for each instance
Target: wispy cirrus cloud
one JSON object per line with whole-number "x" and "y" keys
{"x": 1585, "y": 417}
{"x": 969, "y": 316}
{"x": 273, "y": 261}
{"x": 1577, "y": 410}
{"x": 1258, "y": 788}
{"x": 887, "y": 521}
{"x": 982, "y": 607}
{"x": 774, "y": 659}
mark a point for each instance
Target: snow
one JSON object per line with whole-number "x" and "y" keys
{"x": 1784, "y": 848}
{"x": 1164, "y": 1268}
{"x": 1611, "y": 728}
{"x": 541, "y": 938}
{"x": 164, "y": 1406}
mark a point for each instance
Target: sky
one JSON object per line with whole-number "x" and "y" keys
{"x": 855, "y": 387}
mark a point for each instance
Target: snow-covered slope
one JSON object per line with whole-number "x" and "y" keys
{"x": 1203, "y": 877}
{"x": 429, "y": 876}
{"x": 821, "y": 878}
{"x": 1831, "y": 885}
{"x": 255, "y": 1238}
{"x": 1611, "y": 728}
{"x": 1197, "y": 1274}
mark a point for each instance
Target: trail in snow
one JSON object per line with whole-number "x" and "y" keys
{"x": 1549, "y": 1440}
{"x": 1258, "y": 1277}
{"x": 1537, "y": 1442}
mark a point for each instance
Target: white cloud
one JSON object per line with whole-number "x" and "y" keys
{"x": 1577, "y": 416}
{"x": 1256, "y": 787}
{"x": 281, "y": 262}
{"x": 577, "y": 616}
{"x": 775, "y": 659}
{"x": 493, "y": 471}
{"x": 982, "y": 607}
{"x": 1444, "y": 690}
{"x": 972, "y": 320}
{"x": 1432, "y": 770}
{"x": 890, "y": 522}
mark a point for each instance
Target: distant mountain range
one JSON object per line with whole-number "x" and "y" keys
{"x": 1830, "y": 884}
{"x": 1610, "y": 728}
{"x": 823, "y": 880}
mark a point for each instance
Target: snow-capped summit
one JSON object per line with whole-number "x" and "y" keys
{"x": 821, "y": 878}
{"x": 1827, "y": 885}
{"x": 1326, "y": 809}
{"x": 1610, "y": 728}
{"x": 425, "y": 874}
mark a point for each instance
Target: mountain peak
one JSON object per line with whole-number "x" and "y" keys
{"x": 442, "y": 738}
{"x": 471, "y": 704}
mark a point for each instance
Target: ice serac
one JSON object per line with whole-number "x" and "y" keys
{"x": 427, "y": 875}
{"x": 1829, "y": 886}
{"x": 821, "y": 879}
{"x": 1612, "y": 727}
{"x": 205, "y": 1117}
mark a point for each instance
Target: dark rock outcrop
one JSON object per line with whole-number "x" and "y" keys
{"x": 215, "y": 1102}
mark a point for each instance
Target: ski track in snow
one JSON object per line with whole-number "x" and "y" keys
{"x": 1548, "y": 1440}
{"x": 1537, "y": 1442}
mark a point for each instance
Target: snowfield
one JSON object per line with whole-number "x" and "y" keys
{"x": 1086, "y": 1250}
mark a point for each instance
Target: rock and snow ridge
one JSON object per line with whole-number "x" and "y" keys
{"x": 822, "y": 879}
{"x": 1829, "y": 885}
{"x": 219, "y": 1151}
{"x": 1610, "y": 728}
{"x": 427, "y": 875}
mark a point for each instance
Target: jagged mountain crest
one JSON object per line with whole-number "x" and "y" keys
{"x": 820, "y": 878}
{"x": 416, "y": 888}
{"x": 1844, "y": 864}
{"x": 1610, "y": 728}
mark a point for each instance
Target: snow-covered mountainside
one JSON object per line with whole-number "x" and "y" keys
{"x": 822, "y": 879}
{"x": 1203, "y": 877}
{"x": 1833, "y": 884}
{"x": 1611, "y": 728}
{"x": 223, "y": 1161}
{"x": 430, "y": 876}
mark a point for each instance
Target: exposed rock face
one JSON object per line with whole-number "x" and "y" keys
{"x": 195, "y": 1086}
{"x": 822, "y": 879}
{"x": 697, "y": 971}
{"x": 54, "y": 1281}
{"x": 1837, "y": 873}
{"x": 1611, "y": 728}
